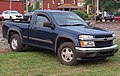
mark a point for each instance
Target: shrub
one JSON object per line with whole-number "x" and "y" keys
{"x": 117, "y": 14}
{"x": 81, "y": 14}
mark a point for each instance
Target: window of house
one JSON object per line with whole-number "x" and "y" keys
{"x": 41, "y": 19}
{"x": 48, "y": 5}
{"x": 62, "y": 1}
{"x": 73, "y": 1}
{"x": 80, "y": 4}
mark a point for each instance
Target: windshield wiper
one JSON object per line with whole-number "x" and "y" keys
{"x": 78, "y": 25}
{"x": 73, "y": 18}
{"x": 65, "y": 25}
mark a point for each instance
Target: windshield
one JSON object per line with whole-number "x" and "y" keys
{"x": 14, "y": 12}
{"x": 68, "y": 19}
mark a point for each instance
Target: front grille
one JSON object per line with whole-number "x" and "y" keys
{"x": 103, "y": 36}
{"x": 99, "y": 44}
{"x": 18, "y": 16}
{"x": 105, "y": 43}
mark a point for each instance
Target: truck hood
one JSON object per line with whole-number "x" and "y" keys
{"x": 87, "y": 30}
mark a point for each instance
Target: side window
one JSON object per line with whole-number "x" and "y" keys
{"x": 62, "y": 1}
{"x": 73, "y": 1}
{"x": 6, "y": 12}
{"x": 41, "y": 19}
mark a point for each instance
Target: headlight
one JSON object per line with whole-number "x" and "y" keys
{"x": 87, "y": 43}
{"x": 114, "y": 41}
{"x": 85, "y": 37}
{"x": 113, "y": 35}
{"x": 84, "y": 42}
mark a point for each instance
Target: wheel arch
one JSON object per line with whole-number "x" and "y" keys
{"x": 12, "y": 31}
{"x": 62, "y": 39}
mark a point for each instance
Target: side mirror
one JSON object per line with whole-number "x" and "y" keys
{"x": 47, "y": 24}
{"x": 88, "y": 22}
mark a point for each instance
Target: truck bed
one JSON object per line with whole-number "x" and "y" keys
{"x": 21, "y": 25}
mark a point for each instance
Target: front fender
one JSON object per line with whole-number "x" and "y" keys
{"x": 73, "y": 39}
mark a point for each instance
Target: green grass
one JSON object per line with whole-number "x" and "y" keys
{"x": 44, "y": 63}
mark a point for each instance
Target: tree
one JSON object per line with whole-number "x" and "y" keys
{"x": 37, "y": 5}
{"x": 109, "y": 5}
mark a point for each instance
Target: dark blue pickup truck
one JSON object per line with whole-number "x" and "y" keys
{"x": 69, "y": 36}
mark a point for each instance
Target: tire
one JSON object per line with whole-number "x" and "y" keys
{"x": 11, "y": 19}
{"x": 15, "y": 43}
{"x": 111, "y": 20}
{"x": 21, "y": 20}
{"x": 62, "y": 50}
{"x": 100, "y": 19}
{"x": 106, "y": 20}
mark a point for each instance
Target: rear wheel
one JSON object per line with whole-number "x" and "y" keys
{"x": 67, "y": 54}
{"x": 101, "y": 19}
{"x": 21, "y": 20}
{"x": 15, "y": 43}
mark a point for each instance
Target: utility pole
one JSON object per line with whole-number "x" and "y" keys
{"x": 26, "y": 5}
{"x": 92, "y": 6}
{"x": 10, "y": 4}
{"x": 97, "y": 8}
{"x": 88, "y": 6}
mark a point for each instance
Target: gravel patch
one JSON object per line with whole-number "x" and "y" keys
{"x": 4, "y": 46}
{"x": 115, "y": 27}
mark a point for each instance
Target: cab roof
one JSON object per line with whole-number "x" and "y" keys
{"x": 50, "y": 11}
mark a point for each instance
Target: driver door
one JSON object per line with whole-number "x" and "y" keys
{"x": 40, "y": 35}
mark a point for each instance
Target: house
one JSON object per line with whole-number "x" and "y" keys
{"x": 66, "y": 5}
{"x": 17, "y": 5}
{"x": 33, "y": 2}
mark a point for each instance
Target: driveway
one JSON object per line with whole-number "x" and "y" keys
{"x": 112, "y": 26}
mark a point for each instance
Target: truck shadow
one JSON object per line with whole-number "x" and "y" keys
{"x": 40, "y": 50}
{"x": 94, "y": 62}
{"x": 81, "y": 63}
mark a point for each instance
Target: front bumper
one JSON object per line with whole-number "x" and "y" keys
{"x": 17, "y": 18}
{"x": 95, "y": 53}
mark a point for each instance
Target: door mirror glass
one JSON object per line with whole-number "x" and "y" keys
{"x": 47, "y": 24}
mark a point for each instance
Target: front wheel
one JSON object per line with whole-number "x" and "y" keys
{"x": 11, "y": 19}
{"x": 111, "y": 20}
{"x": 67, "y": 54}
{"x": 15, "y": 43}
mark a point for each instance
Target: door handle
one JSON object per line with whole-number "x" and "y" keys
{"x": 35, "y": 28}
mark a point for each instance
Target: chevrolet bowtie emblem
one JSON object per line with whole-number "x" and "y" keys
{"x": 105, "y": 38}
